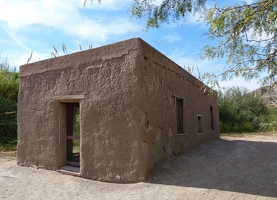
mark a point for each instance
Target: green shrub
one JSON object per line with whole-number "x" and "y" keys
{"x": 271, "y": 123}
{"x": 8, "y": 125}
{"x": 9, "y": 85}
{"x": 241, "y": 111}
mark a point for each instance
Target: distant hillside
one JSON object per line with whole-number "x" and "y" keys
{"x": 268, "y": 94}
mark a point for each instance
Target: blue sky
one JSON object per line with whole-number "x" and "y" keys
{"x": 37, "y": 25}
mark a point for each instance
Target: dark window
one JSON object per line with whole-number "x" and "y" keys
{"x": 199, "y": 123}
{"x": 180, "y": 115}
{"x": 212, "y": 117}
{"x": 73, "y": 134}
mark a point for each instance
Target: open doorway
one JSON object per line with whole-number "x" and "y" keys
{"x": 73, "y": 134}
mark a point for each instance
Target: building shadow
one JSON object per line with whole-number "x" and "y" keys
{"x": 237, "y": 166}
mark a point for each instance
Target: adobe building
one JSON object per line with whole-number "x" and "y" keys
{"x": 111, "y": 113}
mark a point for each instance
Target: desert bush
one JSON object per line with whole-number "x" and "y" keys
{"x": 9, "y": 85}
{"x": 241, "y": 111}
{"x": 8, "y": 125}
{"x": 271, "y": 123}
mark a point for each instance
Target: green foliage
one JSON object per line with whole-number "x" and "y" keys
{"x": 271, "y": 124}
{"x": 76, "y": 121}
{"x": 240, "y": 111}
{"x": 168, "y": 9}
{"x": 246, "y": 37}
{"x": 9, "y": 84}
{"x": 245, "y": 34}
{"x": 10, "y": 146}
{"x": 8, "y": 125}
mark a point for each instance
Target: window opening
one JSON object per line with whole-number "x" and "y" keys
{"x": 73, "y": 134}
{"x": 199, "y": 122}
{"x": 212, "y": 117}
{"x": 180, "y": 115}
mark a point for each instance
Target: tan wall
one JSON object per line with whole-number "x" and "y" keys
{"x": 127, "y": 96}
{"x": 162, "y": 81}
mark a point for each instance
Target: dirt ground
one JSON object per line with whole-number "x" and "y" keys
{"x": 232, "y": 167}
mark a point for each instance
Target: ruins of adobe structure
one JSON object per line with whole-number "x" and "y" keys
{"x": 111, "y": 113}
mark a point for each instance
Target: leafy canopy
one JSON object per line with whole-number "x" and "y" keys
{"x": 245, "y": 34}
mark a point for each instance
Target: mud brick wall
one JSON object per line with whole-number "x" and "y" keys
{"x": 127, "y": 93}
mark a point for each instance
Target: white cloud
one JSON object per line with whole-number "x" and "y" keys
{"x": 101, "y": 30}
{"x": 241, "y": 82}
{"x": 195, "y": 19}
{"x": 67, "y": 15}
{"x": 17, "y": 58}
{"x": 107, "y": 4}
{"x": 157, "y": 2}
{"x": 172, "y": 38}
{"x": 254, "y": 36}
{"x": 249, "y": 1}
{"x": 19, "y": 18}
{"x": 18, "y": 14}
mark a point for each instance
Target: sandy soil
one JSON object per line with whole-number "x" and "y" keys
{"x": 227, "y": 168}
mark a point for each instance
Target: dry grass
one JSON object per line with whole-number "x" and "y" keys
{"x": 9, "y": 153}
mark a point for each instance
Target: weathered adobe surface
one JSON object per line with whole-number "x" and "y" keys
{"x": 162, "y": 81}
{"x": 128, "y": 114}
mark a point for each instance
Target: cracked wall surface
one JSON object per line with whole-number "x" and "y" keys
{"x": 162, "y": 82}
{"x": 127, "y": 93}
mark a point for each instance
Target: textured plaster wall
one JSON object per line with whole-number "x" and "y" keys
{"x": 109, "y": 131}
{"x": 161, "y": 82}
{"x": 127, "y": 97}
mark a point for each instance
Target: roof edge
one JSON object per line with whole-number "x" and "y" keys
{"x": 74, "y": 60}
{"x": 156, "y": 56}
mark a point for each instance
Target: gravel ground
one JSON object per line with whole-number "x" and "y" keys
{"x": 243, "y": 167}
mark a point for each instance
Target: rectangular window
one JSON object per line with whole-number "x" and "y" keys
{"x": 73, "y": 134}
{"x": 212, "y": 118}
{"x": 180, "y": 116}
{"x": 199, "y": 123}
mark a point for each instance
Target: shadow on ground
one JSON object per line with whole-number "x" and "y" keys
{"x": 238, "y": 166}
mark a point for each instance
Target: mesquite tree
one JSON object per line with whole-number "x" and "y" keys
{"x": 244, "y": 33}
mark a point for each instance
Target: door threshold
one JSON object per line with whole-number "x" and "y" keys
{"x": 70, "y": 170}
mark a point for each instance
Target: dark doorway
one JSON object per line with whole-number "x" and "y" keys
{"x": 73, "y": 134}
